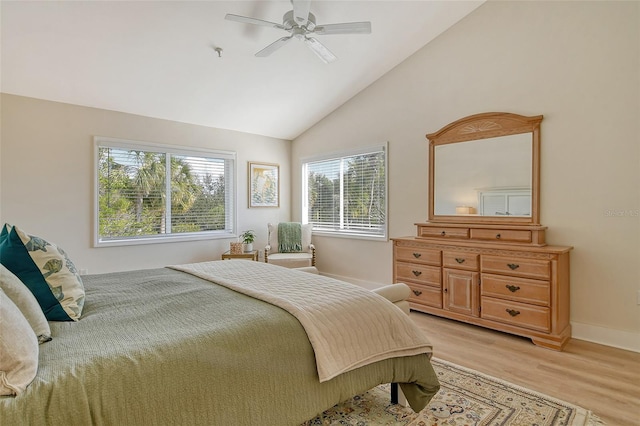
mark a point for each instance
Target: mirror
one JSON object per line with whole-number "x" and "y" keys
{"x": 485, "y": 168}
{"x": 492, "y": 178}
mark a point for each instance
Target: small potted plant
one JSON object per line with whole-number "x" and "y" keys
{"x": 248, "y": 237}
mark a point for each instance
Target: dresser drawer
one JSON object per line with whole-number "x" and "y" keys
{"x": 517, "y": 267}
{"x": 424, "y": 295}
{"x": 443, "y": 232}
{"x": 460, "y": 260}
{"x": 504, "y": 235}
{"x": 417, "y": 255}
{"x": 420, "y": 274}
{"x": 520, "y": 314}
{"x": 517, "y": 289}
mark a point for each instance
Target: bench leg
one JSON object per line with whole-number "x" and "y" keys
{"x": 397, "y": 397}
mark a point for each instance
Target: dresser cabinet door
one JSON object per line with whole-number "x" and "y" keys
{"x": 461, "y": 292}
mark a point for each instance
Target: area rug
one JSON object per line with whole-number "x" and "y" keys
{"x": 466, "y": 398}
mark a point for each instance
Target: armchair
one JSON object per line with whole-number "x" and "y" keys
{"x": 298, "y": 259}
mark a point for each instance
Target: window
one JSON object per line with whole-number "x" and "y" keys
{"x": 346, "y": 194}
{"x": 151, "y": 193}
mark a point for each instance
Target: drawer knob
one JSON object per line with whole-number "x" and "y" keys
{"x": 512, "y": 312}
{"x": 443, "y": 233}
{"x": 513, "y": 266}
{"x": 498, "y": 236}
{"x": 460, "y": 259}
{"x": 417, "y": 255}
{"x": 417, "y": 292}
{"x": 417, "y": 273}
{"x": 512, "y": 288}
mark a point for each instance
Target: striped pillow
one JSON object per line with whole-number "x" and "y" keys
{"x": 26, "y": 302}
{"x": 19, "y": 349}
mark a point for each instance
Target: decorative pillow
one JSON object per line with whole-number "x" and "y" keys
{"x": 273, "y": 237}
{"x": 46, "y": 270}
{"x": 26, "y": 302}
{"x": 19, "y": 349}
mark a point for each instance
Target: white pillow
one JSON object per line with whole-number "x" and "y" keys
{"x": 273, "y": 237}
{"x": 22, "y": 297}
{"x": 19, "y": 349}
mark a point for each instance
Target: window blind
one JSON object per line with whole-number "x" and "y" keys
{"x": 149, "y": 192}
{"x": 346, "y": 194}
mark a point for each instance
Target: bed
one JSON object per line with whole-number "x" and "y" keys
{"x": 176, "y": 346}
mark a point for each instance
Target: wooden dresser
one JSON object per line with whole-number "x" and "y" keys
{"x": 519, "y": 288}
{"x": 482, "y": 257}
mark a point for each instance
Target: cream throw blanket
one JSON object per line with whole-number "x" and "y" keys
{"x": 348, "y": 326}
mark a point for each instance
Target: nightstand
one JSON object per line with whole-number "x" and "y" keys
{"x": 250, "y": 255}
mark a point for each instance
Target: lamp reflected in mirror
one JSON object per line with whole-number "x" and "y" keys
{"x": 465, "y": 210}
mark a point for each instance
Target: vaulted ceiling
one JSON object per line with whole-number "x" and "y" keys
{"x": 158, "y": 58}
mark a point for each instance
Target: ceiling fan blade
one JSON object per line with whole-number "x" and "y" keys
{"x": 273, "y": 46}
{"x": 320, "y": 50}
{"x": 346, "y": 28}
{"x": 254, "y": 21}
{"x": 301, "y": 10}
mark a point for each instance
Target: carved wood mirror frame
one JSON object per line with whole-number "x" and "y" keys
{"x": 484, "y": 126}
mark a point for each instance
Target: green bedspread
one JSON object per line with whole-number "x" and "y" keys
{"x": 161, "y": 347}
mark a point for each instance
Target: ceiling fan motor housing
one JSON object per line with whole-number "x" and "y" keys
{"x": 289, "y": 22}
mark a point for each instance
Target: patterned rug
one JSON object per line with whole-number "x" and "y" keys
{"x": 466, "y": 398}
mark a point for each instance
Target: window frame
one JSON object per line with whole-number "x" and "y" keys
{"x": 108, "y": 142}
{"x": 337, "y": 155}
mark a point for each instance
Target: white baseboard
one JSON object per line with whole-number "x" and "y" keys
{"x": 626, "y": 340}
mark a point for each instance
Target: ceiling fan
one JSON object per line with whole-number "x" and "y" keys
{"x": 300, "y": 23}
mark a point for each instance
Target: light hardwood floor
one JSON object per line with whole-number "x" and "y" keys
{"x": 600, "y": 378}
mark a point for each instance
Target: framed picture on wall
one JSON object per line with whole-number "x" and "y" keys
{"x": 264, "y": 185}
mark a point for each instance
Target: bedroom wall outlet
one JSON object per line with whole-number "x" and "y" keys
{"x": 83, "y": 271}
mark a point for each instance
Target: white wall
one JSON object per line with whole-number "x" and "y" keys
{"x": 577, "y": 63}
{"x": 47, "y": 179}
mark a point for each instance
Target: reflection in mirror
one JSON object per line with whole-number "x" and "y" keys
{"x": 485, "y": 169}
{"x": 488, "y": 177}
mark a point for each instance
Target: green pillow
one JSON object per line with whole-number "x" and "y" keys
{"x": 46, "y": 270}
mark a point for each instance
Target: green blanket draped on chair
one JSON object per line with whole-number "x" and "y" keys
{"x": 289, "y": 237}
